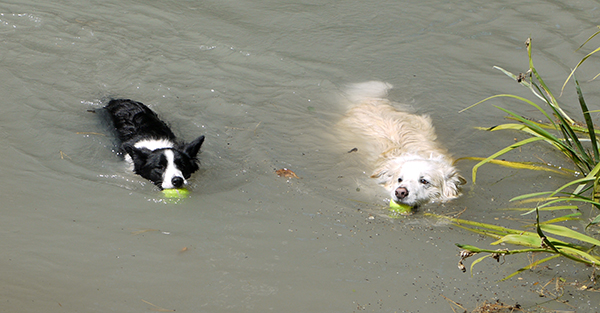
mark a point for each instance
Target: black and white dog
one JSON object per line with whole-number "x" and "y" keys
{"x": 150, "y": 145}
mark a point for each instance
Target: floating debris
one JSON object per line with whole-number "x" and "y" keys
{"x": 284, "y": 172}
{"x": 497, "y": 307}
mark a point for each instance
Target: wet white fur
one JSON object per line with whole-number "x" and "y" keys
{"x": 153, "y": 144}
{"x": 171, "y": 171}
{"x": 404, "y": 146}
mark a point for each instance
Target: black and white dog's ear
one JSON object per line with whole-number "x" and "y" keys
{"x": 193, "y": 147}
{"x": 135, "y": 153}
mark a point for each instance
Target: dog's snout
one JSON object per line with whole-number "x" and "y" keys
{"x": 401, "y": 192}
{"x": 177, "y": 181}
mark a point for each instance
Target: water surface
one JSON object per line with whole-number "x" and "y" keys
{"x": 259, "y": 79}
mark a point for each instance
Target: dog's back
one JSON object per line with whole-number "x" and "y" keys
{"x": 133, "y": 120}
{"x": 372, "y": 115}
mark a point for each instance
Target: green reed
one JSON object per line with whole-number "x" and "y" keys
{"x": 579, "y": 143}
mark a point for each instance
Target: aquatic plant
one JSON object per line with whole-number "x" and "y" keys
{"x": 534, "y": 241}
{"x": 579, "y": 143}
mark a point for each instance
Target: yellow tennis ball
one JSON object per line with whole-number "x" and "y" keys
{"x": 176, "y": 193}
{"x": 400, "y": 208}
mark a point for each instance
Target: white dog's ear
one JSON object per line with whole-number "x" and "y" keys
{"x": 380, "y": 174}
{"x": 451, "y": 188}
{"x": 387, "y": 170}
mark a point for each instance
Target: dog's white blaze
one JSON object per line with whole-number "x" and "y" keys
{"x": 411, "y": 173}
{"x": 171, "y": 171}
{"x": 150, "y": 144}
{"x": 153, "y": 144}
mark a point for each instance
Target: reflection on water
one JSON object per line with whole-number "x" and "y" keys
{"x": 259, "y": 79}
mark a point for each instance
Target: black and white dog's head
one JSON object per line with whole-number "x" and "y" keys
{"x": 163, "y": 162}
{"x": 150, "y": 146}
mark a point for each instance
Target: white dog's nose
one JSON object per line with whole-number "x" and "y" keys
{"x": 401, "y": 192}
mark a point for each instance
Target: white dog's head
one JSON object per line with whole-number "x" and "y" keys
{"x": 416, "y": 181}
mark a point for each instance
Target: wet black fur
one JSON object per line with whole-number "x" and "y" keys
{"x": 133, "y": 122}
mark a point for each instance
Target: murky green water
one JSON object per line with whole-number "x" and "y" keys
{"x": 259, "y": 79}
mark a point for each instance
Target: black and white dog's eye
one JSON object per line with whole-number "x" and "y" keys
{"x": 423, "y": 181}
{"x": 399, "y": 180}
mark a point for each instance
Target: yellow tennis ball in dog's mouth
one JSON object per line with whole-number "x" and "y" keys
{"x": 400, "y": 208}
{"x": 176, "y": 193}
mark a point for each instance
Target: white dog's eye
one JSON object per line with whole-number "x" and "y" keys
{"x": 423, "y": 181}
{"x": 399, "y": 180}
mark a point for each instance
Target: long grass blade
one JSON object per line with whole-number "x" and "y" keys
{"x": 568, "y": 217}
{"x": 478, "y": 224}
{"x": 501, "y": 152}
{"x": 588, "y": 120}
{"x": 531, "y": 195}
{"x": 526, "y": 239}
{"x": 504, "y": 251}
{"x": 561, "y": 199}
{"x": 563, "y": 231}
{"x": 549, "y": 125}
{"x": 590, "y": 38}
{"x": 552, "y": 101}
{"x": 551, "y": 208}
{"x": 568, "y": 134}
{"x": 582, "y": 164}
{"x": 490, "y": 233}
{"x": 548, "y": 97}
{"x": 591, "y": 175}
{"x": 585, "y": 158}
{"x": 578, "y": 255}
{"x": 519, "y": 165}
{"x": 477, "y": 261}
{"x": 527, "y": 84}
{"x": 509, "y": 96}
{"x": 584, "y": 180}
{"x": 576, "y": 67}
{"x": 596, "y": 221}
{"x": 530, "y": 266}
{"x": 538, "y": 130}
{"x": 519, "y": 127}
{"x": 559, "y": 113}
{"x": 507, "y": 126}
{"x": 570, "y": 199}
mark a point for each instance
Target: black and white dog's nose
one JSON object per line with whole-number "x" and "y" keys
{"x": 177, "y": 181}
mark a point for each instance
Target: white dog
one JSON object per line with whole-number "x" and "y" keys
{"x": 410, "y": 164}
